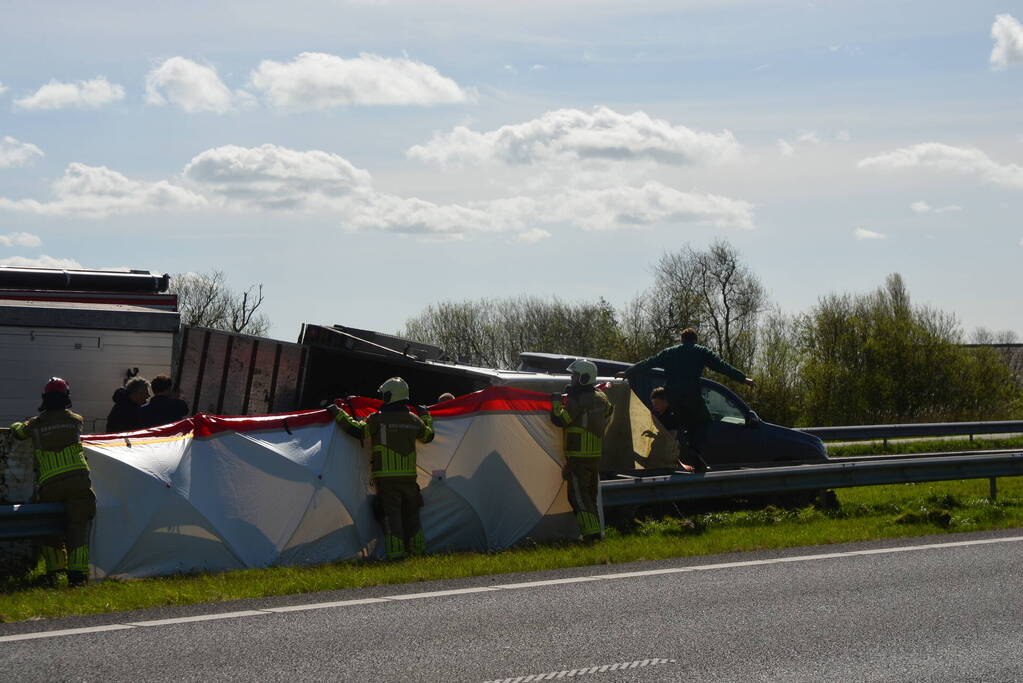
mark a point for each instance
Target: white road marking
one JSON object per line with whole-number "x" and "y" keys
{"x": 575, "y": 673}
{"x": 506, "y": 586}
{"x": 65, "y": 632}
{"x": 324, "y": 605}
{"x": 441, "y": 594}
{"x": 198, "y": 617}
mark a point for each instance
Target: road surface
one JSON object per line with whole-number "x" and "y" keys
{"x": 945, "y": 608}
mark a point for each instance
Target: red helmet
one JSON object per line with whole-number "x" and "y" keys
{"x": 57, "y": 386}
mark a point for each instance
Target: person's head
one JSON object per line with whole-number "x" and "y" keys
{"x": 446, "y": 396}
{"x": 688, "y": 336}
{"x": 584, "y": 372}
{"x": 394, "y": 390}
{"x": 659, "y": 400}
{"x": 137, "y": 389}
{"x": 162, "y": 385}
{"x": 56, "y": 395}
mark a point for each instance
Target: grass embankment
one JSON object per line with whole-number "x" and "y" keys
{"x": 865, "y": 514}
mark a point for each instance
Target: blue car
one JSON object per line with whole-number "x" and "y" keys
{"x": 737, "y": 437}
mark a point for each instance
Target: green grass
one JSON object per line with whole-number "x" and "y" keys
{"x": 865, "y": 514}
{"x": 923, "y": 446}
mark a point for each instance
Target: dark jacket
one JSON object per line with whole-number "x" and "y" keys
{"x": 124, "y": 416}
{"x": 161, "y": 410}
{"x": 683, "y": 364}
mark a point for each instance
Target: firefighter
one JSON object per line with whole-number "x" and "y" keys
{"x": 584, "y": 413}
{"x": 63, "y": 477}
{"x": 393, "y": 433}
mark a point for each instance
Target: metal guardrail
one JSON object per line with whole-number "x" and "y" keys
{"x": 831, "y": 475}
{"x": 885, "y": 432}
{"x": 31, "y": 520}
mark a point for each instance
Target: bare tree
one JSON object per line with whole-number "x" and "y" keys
{"x": 492, "y": 333}
{"x": 711, "y": 291}
{"x": 204, "y": 300}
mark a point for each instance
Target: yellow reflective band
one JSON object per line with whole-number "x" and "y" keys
{"x": 392, "y": 463}
{"x": 78, "y": 559}
{"x": 589, "y": 443}
{"x": 589, "y": 523}
{"x": 52, "y": 463}
{"x": 394, "y": 546}
{"x": 54, "y": 558}
{"x": 418, "y": 543}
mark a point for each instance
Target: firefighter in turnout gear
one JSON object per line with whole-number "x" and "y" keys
{"x": 63, "y": 477}
{"x": 584, "y": 413}
{"x": 393, "y": 433}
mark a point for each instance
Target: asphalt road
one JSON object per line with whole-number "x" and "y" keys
{"x": 909, "y": 610}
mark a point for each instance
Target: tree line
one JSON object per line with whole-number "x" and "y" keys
{"x": 853, "y": 358}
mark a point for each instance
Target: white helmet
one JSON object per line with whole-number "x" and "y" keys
{"x": 585, "y": 369}
{"x": 394, "y": 390}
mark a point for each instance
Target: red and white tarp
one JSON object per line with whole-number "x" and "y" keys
{"x": 218, "y": 493}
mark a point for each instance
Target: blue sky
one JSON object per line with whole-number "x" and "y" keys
{"x": 363, "y": 159}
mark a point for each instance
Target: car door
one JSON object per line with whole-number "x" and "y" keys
{"x": 729, "y": 439}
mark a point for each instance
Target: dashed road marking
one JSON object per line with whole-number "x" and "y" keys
{"x": 575, "y": 673}
{"x": 506, "y": 586}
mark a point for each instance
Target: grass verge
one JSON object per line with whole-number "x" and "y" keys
{"x": 922, "y": 446}
{"x": 866, "y": 513}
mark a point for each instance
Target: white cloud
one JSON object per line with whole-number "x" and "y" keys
{"x": 20, "y": 239}
{"x": 537, "y": 67}
{"x": 191, "y": 86}
{"x": 43, "y": 261}
{"x": 3, "y": 88}
{"x": 924, "y": 207}
{"x": 843, "y": 136}
{"x": 272, "y": 178}
{"x": 864, "y": 234}
{"x": 633, "y": 207}
{"x": 14, "y": 153}
{"x": 785, "y": 148}
{"x": 1008, "y": 36}
{"x": 511, "y": 69}
{"x": 946, "y": 158}
{"x": 571, "y": 134}
{"x": 96, "y": 191}
{"x": 809, "y": 137}
{"x": 276, "y": 177}
{"x": 413, "y": 216}
{"x": 315, "y": 80}
{"x": 80, "y": 95}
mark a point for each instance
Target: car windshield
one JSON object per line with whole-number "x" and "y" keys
{"x": 722, "y": 408}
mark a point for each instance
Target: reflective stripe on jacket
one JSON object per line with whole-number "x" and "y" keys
{"x": 52, "y": 463}
{"x": 585, "y": 418}
{"x": 393, "y": 433}
{"x": 56, "y": 437}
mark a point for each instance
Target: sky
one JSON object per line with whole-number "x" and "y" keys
{"x": 363, "y": 159}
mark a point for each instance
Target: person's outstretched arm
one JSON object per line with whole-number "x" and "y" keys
{"x": 426, "y": 432}
{"x": 356, "y": 428}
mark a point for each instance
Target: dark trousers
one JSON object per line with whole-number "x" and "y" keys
{"x": 400, "y": 500}
{"x": 71, "y": 549}
{"x": 694, "y": 422}
{"x": 583, "y": 477}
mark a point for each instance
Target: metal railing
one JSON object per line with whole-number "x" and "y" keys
{"x": 885, "y": 432}
{"x": 31, "y": 520}
{"x": 831, "y": 475}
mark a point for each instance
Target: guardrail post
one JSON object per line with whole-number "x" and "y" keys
{"x": 992, "y": 489}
